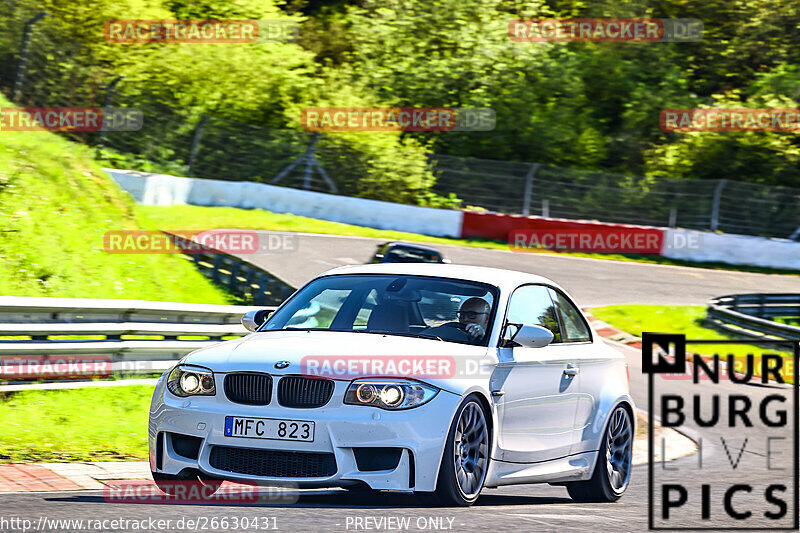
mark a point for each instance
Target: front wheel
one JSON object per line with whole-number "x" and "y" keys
{"x": 465, "y": 460}
{"x": 612, "y": 473}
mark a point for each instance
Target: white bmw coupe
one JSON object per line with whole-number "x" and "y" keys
{"x": 435, "y": 379}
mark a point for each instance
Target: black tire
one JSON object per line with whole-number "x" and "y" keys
{"x": 612, "y": 471}
{"x": 463, "y": 471}
{"x": 167, "y": 482}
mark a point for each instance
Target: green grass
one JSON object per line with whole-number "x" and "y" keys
{"x": 91, "y": 424}
{"x": 686, "y": 320}
{"x": 636, "y": 319}
{"x": 55, "y": 205}
{"x": 190, "y": 217}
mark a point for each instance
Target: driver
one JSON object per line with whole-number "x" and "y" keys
{"x": 474, "y": 314}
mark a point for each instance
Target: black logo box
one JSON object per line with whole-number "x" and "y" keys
{"x": 664, "y": 366}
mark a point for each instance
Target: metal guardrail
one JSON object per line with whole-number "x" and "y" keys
{"x": 243, "y": 279}
{"x": 239, "y": 277}
{"x": 177, "y": 327}
{"x": 108, "y": 328}
{"x": 751, "y": 315}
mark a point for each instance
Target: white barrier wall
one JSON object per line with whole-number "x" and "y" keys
{"x": 162, "y": 189}
{"x": 153, "y": 189}
{"x": 704, "y": 246}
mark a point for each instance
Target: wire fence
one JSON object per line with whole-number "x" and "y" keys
{"x": 535, "y": 189}
{"x": 40, "y": 66}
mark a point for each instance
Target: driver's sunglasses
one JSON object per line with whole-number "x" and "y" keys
{"x": 471, "y": 314}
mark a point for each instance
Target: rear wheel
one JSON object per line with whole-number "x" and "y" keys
{"x": 466, "y": 458}
{"x": 612, "y": 473}
{"x": 169, "y": 483}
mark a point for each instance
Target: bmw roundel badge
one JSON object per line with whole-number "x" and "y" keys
{"x": 281, "y": 364}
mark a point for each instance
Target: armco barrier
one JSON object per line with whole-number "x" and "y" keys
{"x": 750, "y": 315}
{"x": 177, "y": 324}
{"x": 242, "y": 279}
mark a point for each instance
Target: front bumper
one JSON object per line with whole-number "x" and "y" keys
{"x": 420, "y": 433}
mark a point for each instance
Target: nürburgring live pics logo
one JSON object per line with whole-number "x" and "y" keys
{"x": 740, "y": 405}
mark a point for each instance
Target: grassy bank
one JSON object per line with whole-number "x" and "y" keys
{"x": 55, "y": 205}
{"x": 686, "y": 320}
{"x": 91, "y": 424}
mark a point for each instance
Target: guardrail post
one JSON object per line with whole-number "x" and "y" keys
{"x": 23, "y": 54}
{"x": 715, "y": 204}
{"x": 107, "y": 101}
{"x": 263, "y": 282}
{"x": 215, "y": 271}
{"x": 198, "y": 133}
{"x": 526, "y": 198}
{"x": 311, "y": 162}
{"x": 234, "y": 281}
{"x": 673, "y": 217}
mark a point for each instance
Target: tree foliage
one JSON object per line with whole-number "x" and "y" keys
{"x": 586, "y": 105}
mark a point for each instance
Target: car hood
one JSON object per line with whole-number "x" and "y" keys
{"x": 325, "y": 353}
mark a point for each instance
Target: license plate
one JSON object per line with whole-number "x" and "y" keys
{"x": 269, "y": 428}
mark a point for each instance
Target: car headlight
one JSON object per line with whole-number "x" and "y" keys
{"x": 392, "y": 394}
{"x": 186, "y": 380}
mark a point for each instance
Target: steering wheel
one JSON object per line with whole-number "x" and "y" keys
{"x": 459, "y": 335}
{"x": 457, "y": 325}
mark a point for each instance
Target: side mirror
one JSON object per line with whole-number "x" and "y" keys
{"x": 528, "y": 335}
{"x": 252, "y": 320}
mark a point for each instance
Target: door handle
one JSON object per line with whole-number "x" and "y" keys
{"x": 571, "y": 371}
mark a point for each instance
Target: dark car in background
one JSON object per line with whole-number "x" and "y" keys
{"x": 402, "y": 252}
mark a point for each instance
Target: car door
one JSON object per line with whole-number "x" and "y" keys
{"x": 536, "y": 389}
{"x": 595, "y": 369}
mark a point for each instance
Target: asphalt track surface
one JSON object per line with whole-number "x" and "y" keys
{"x": 592, "y": 282}
{"x": 520, "y": 508}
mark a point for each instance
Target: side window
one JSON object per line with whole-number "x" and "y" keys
{"x": 575, "y": 328}
{"x": 532, "y": 304}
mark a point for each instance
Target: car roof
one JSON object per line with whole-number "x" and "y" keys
{"x": 412, "y": 245}
{"x": 505, "y": 279}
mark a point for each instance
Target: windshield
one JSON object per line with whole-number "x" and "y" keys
{"x": 439, "y": 308}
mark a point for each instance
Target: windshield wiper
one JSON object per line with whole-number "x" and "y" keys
{"x": 289, "y": 329}
{"x": 398, "y": 333}
{"x": 405, "y": 334}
